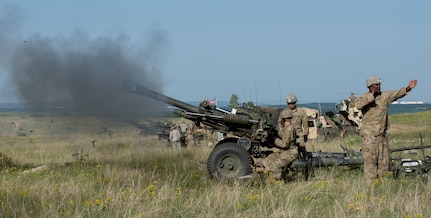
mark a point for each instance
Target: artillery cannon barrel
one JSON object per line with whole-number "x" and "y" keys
{"x": 234, "y": 119}
{"x": 132, "y": 87}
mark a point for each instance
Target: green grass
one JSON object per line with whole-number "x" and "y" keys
{"x": 129, "y": 175}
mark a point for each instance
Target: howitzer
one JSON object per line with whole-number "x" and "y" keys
{"x": 246, "y": 121}
{"x": 253, "y": 128}
{"x": 161, "y": 129}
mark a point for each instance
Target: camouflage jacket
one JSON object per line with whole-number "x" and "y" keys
{"x": 299, "y": 120}
{"x": 288, "y": 137}
{"x": 375, "y": 111}
{"x": 175, "y": 135}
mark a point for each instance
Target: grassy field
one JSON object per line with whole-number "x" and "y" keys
{"x": 125, "y": 174}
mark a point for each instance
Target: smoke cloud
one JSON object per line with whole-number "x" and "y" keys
{"x": 79, "y": 70}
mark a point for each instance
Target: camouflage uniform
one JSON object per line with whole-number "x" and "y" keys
{"x": 277, "y": 161}
{"x": 175, "y": 137}
{"x": 286, "y": 152}
{"x": 373, "y": 131}
{"x": 190, "y": 138}
{"x": 299, "y": 122}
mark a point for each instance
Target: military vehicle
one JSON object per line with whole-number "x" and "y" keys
{"x": 349, "y": 116}
{"x": 329, "y": 125}
{"x": 252, "y": 131}
{"x": 162, "y": 129}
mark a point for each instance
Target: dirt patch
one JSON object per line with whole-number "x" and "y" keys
{"x": 17, "y": 126}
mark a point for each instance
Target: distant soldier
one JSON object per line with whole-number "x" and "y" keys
{"x": 183, "y": 127}
{"x": 286, "y": 153}
{"x": 352, "y": 100}
{"x": 374, "y": 106}
{"x": 175, "y": 137}
{"x": 190, "y": 138}
{"x": 299, "y": 119}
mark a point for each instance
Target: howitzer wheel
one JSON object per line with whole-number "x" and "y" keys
{"x": 229, "y": 161}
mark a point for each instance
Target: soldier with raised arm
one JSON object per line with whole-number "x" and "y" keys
{"x": 374, "y": 106}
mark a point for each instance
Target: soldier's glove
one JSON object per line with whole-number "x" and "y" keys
{"x": 305, "y": 138}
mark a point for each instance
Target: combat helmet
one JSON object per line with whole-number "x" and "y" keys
{"x": 372, "y": 80}
{"x": 291, "y": 98}
{"x": 287, "y": 114}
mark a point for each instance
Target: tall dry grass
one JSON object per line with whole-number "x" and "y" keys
{"x": 128, "y": 175}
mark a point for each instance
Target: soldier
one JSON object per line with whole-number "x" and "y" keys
{"x": 183, "y": 128}
{"x": 287, "y": 150}
{"x": 374, "y": 106}
{"x": 190, "y": 138}
{"x": 175, "y": 137}
{"x": 352, "y": 100}
{"x": 299, "y": 119}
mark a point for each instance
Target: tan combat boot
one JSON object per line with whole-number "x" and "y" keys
{"x": 259, "y": 165}
{"x": 278, "y": 178}
{"x": 270, "y": 179}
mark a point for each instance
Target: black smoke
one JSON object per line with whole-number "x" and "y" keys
{"x": 82, "y": 71}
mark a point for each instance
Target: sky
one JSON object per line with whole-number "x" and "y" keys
{"x": 194, "y": 50}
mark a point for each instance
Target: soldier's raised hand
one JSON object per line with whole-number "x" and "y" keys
{"x": 413, "y": 83}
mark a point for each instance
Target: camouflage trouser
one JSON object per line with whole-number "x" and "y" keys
{"x": 375, "y": 152}
{"x": 277, "y": 161}
{"x": 190, "y": 141}
{"x": 176, "y": 144}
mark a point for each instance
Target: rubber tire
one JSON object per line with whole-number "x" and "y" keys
{"x": 229, "y": 161}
